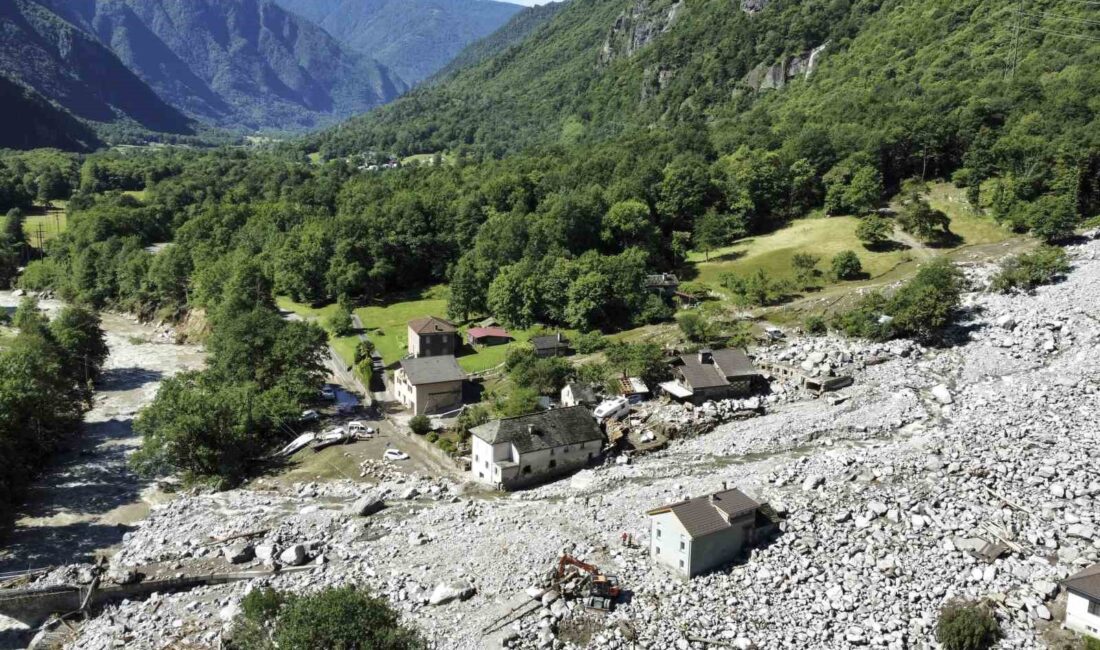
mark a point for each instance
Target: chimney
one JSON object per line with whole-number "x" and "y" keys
{"x": 531, "y": 429}
{"x": 705, "y": 356}
{"x": 725, "y": 486}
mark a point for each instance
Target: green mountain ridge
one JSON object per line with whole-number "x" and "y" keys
{"x": 414, "y": 38}
{"x": 515, "y": 31}
{"x": 40, "y": 123}
{"x": 65, "y": 65}
{"x": 238, "y": 64}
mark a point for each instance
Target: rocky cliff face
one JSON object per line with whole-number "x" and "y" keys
{"x": 775, "y": 76}
{"x": 639, "y": 26}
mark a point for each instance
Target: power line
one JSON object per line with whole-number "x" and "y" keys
{"x": 1046, "y": 14}
{"x": 1052, "y": 32}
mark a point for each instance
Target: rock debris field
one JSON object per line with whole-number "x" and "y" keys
{"x": 933, "y": 453}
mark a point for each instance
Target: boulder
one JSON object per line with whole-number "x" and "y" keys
{"x": 238, "y": 553}
{"x": 365, "y": 506}
{"x": 293, "y": 556}
{"x": 942, "y": 394}
{"x": 447, "y": 592}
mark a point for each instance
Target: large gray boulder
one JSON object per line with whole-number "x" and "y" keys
{"x": 447, "y": 592}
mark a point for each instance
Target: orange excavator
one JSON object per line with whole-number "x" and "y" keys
{"x": 603, "y": 590}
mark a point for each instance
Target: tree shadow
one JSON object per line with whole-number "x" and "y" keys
{"x": 947, "y": 240}
{"x": 888, "y": 246}
{"x": 727, "y": 257}
{"x": 123, "y": 379}
{"x": 36, "y": 547}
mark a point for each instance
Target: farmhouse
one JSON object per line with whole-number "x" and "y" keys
{"x": 432, "y": 337}
{"x": 429, "y": 384}
{"x": 712, "y": 375}
{"x": 530, "y": 449}
{"x": 701, "y": 534}
{"x": 1083, "y": 601}
{"x": 488, "y": 336}
{"x": 555, "y": 345}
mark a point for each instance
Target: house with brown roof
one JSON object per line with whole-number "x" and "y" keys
{"x": 429, "y": 384}
{"x": 432, "y": 337}
{"x": 488, "y": 336}
{"x": 1083, "y": 601}
{"x": 713, "y": 375}
{"x": 704, "y": 533}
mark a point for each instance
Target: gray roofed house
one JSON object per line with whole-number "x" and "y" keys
{"x": 703, "y": 533}
{"x": 529, "y": 449}
{"x": 713, "y": 375}
{"x": 432, "y": 370}
{"x": 429, "y": 384}
{"x": 554, "y": 345}
{"x": 1083, "y": 601}
{"x": 575, "y": 394}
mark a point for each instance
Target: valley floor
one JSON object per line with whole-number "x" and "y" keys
{"x": 881, "y": 491}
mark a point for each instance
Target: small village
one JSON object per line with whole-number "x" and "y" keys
{"x": 676, "y": 515}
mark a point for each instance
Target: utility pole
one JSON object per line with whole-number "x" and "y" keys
{"x": 1016, "y": 39}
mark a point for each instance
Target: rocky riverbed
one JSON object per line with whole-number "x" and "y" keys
{"x": 89, "y": 498}
{"x": 885, "y": 494}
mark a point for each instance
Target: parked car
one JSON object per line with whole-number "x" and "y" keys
{"x": 395, "y": 454}
{"x": 328, "y": 393}
{"x": 360, "y": 430}
{"x": 346, "y": 407}
{"x": 310, "y": 416}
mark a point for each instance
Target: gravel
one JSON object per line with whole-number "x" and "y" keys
{"x": 932, "y": 453}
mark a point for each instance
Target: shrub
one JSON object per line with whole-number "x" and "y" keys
{"x": 447, "y": 445}
{"x": 967, "y": 626}
{"x": 1030, "y": 270}
{"x": 696, "y": 327}
{"x": 805, "y": 268}
{"x": 432, "y": 437}
{"x": 589, "y": 342}
{"x": 420, "y": 424}
{"x": 846, "y": 266}
{"x": 757, "y": 289}
{"x": 340, "y": 322}
{"x": 873, "y": 230}
{"x": 345, "y": 618}
{"x": 262, "y": 604}
{"x": 815, "y": 325}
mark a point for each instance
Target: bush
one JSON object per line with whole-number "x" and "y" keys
{"x": 447, "y": 445}
{"x": 340, "y": 322}
{"x": 1030, "y": 270}
{"x": 342, "y": 618}
{"x": 696, "y": 327}
{"x": 262, "y": 604}
{"x": 846, "y": 266}
{"x": 757, "y": 289}
{"x": 589, "y": 342}
{"x": 967, "y": 626}
{"x": 874, "y": 230}
{"x": 815, "y": 325}
{"x": 420, "y": 424}
{"x": 432, "y": 437}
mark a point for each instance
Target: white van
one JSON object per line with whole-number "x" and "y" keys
{"x": 610, "y": 409}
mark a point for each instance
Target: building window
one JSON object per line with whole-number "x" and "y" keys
{"x": 589, "y": 455}
{"x": 1094, "y": 607}
{"x": 553, "y": 464}
{"x": 526, "y": 469}
{"x": 658, "y": 533}
{"x": 657, "y": 550}
{"x": 683, "y": 546}
{"x": 681, "y": 564}
{"x": 551, "y": 451}
{"x": 565, "y": 450}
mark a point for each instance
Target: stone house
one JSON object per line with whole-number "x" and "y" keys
{"x": 1083, "y": 601}
{"x": 704, "y": 533}
{"x": 429, "y": 384}
{"x": 530, "y": 449}
{"x": 575, "y": 394}
{"x": 432, "y": 337}
{"x": 713, "y": 375}
{"x": 554, "y": 345}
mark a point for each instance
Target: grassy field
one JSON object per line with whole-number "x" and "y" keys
{"x": 827, "y": 236}
{"x": 52, "y": 221}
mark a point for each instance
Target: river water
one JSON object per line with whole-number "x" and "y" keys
{"x": 87, "y": 498}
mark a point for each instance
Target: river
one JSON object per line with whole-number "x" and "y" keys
{"x": 88, "y": 498}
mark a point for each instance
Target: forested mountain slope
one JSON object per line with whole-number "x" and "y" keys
{"x": 604, "y": 67}
{"x": 415, "y": 38}
{"x": 33, "y": 122}
{"x": 514, "y": 32}
{"x": 71, "y": 68}
{"x": 237, "y": 63}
